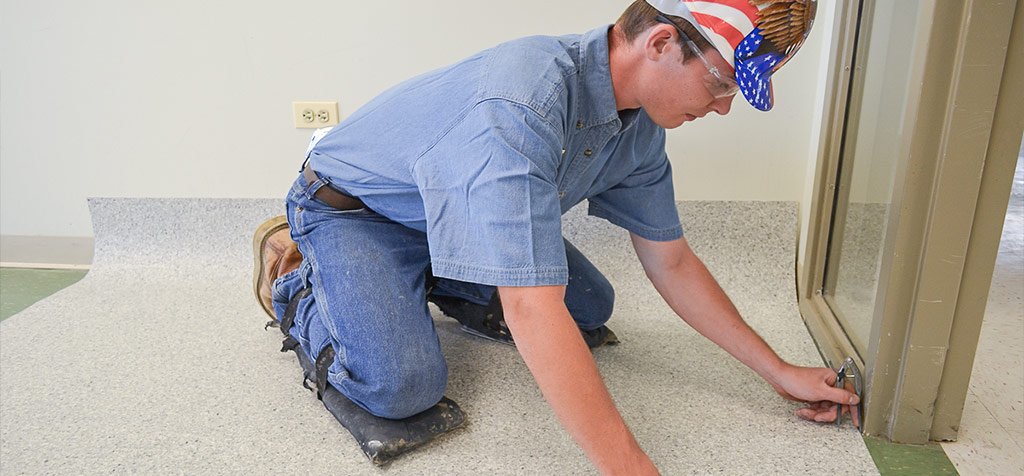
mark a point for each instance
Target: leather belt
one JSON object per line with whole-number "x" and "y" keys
{"x": 330, "y": 196}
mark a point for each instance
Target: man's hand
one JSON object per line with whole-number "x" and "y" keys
{"x": 690, "y": 290}
{"x": 815, "y": 386}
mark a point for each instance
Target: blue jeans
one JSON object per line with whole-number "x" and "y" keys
{"x": 369, "y": 302}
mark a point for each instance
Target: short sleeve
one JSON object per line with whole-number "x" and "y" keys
{"x": 643, "y": 203}
{"x": 490, "y": 199}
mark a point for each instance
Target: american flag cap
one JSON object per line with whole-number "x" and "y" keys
{"x": 756, "y": 37}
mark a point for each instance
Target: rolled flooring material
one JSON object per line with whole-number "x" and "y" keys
{"x": 157, "y": 362}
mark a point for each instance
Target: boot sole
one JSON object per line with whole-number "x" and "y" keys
{"x": 474, "y": 332}
{"x": 263, "y": 232}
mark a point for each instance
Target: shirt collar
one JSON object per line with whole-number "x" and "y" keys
{"x": 596, "y": 92}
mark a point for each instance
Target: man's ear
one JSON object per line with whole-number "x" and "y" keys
{"x": 659, "y": 41}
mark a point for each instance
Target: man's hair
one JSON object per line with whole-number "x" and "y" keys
{"x": 640, "y": 16}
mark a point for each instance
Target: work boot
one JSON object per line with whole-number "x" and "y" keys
{"x": 598, "y": 337}
{"x": 489, "y": 321}
{"x": 275, "y": 255}
{"x": 482, "y": 321}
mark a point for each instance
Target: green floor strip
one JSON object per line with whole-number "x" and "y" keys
{"x": 895, "y": 459}
{"x": 20, "y": 288}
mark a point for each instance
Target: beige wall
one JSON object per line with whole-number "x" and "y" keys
{"x": 193, "y": 99}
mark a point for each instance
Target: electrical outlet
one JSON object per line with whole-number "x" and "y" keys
{"x": 314, "y": 115}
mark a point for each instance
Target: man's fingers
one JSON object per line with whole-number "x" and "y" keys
{"x": 830, "y": 376}
{"x": 806, "y": 413}
{"x": 827, "y": 415}
{"x": 816, "y": 407}
{"x": 823, "y": 405}
{"x": 844, "y": 397}
{"x": 819, "y": 412}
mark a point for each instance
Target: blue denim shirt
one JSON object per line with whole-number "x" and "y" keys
{"x": 485, "y": 155}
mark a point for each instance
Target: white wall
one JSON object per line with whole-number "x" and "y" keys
{"x": 193, "y": 98}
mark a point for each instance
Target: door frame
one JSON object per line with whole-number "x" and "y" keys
{"x": 950, "y": 193}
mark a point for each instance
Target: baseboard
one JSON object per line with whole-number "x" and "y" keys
{"x": 56, "y": 252}
{"x": 15, "y": 264}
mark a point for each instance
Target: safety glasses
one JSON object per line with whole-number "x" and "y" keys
{"x": 718, "y": 85}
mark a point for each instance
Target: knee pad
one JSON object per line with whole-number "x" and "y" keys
{"x": 380, "y": 439}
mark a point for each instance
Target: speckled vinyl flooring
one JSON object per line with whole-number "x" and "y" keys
{"x": 157, "y": 362}
{"x": 991, "y": 439}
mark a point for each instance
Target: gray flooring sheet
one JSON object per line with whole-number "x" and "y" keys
{"x": 157, "y": 362}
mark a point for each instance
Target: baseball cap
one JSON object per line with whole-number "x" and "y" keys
{"x": 756, "y": 37}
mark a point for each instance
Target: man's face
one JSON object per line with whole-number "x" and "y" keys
{"x": 673, "y": 92}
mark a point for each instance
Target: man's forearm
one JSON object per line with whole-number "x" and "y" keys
{"x": 553, "y": 349}
{"x": 694, "y": 295}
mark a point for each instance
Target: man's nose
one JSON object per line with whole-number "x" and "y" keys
{"x": 722, "y": 105}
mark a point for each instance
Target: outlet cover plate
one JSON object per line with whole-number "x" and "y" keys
{"x": 315, "y": 114}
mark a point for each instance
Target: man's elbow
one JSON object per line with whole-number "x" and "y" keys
{"x": 517, "y": 302}
{"x": 662, "y": 258}
{"x": 666, "y": 264}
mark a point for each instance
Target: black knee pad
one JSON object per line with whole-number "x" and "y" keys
{"x": 380, "y": 439}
